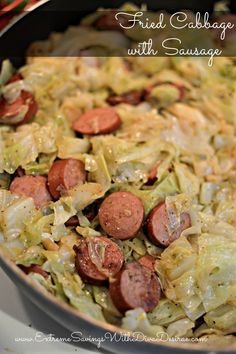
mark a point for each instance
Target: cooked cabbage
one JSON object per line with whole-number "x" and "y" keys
{"x": 200, "y": 277}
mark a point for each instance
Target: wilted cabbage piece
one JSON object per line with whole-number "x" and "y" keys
{"x": 201, "y": 277}
{"x": 137, "y": 321}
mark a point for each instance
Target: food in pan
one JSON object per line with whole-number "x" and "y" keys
{"x": 118, "y": 183}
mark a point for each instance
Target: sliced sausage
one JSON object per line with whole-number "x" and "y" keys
{"x": 135, "y": 286}
{"x": 152, "y": 176}
{"x": 72, "y": 222}
{"x": 97, "y": 121}
{"x": 34, "y": 268}
{"x": 29, "y": 101}
{"x": 107, "y": 21}
{"x": 14, "y": 78}
{"x": 34, "y": 187}
{"x": 20, "y": 172}
{"x": 157, "y": 226}
{"x": 148, "y": 262}
{"x": 104, "y": 261}
{"x": 121, "y": 215}
{"x": 91, "y": 211}
{"x": 182, "y": 91}
{"x": 64, "y": 175}
{"x": 132, "y": 98}
{"x": 10, "y": 112}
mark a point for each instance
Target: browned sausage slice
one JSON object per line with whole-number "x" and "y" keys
{"x": 20, "y": 172}
{"x": 14, "y": 78}
{"x": 64, "y": 175}
{"x": 107, "y": 21}
{"x": 90, "y": 212}
{"x": 29, "y": 100}
{"x": 97, "y": 121}
{"x": 34, "y": 187}
{"x": 182, "y": 91}
{"x": 157, "y": 226}
{"x": 148, "y": 262}
{"x": 121, "y": 215}
{"x": 72, "y": 222}
{"x": 34, "y": 268}
{"x": 9, "y": 111}
{"x": 135, "y": 286}
{"x": 152, "y": 176}
{"x": 97, "y": 259}
{"x": 132, "y": 98}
